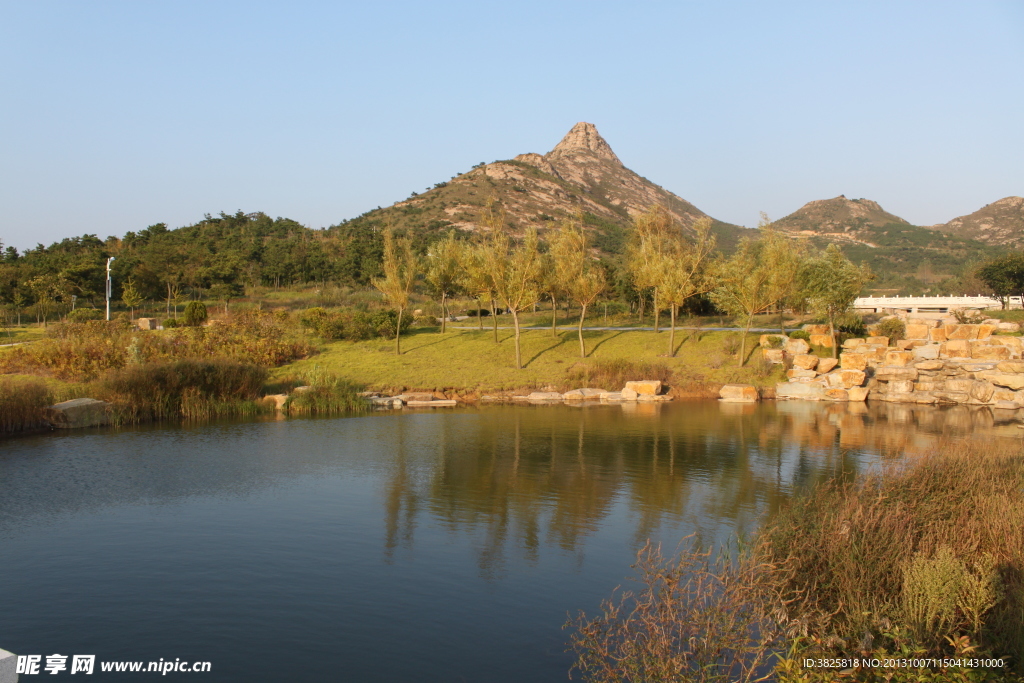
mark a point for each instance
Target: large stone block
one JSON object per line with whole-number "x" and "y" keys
{"x": 963, "y": 332}
{"x": 899, "y": 359}
{"x": 805, "y": 361}
{"x": 901, "y": 386}
{"x": 876, "y": 354}
{"x": 834, "y": 380}
{"x": 937, "y": 334}
{"x": 910, "y": 344}
{"x": 776, "y": 356}
{"x": 1001, "y": 394}
{"x": 1003, "y": 379}
{"x": 951, "y": 396}
{"x": 916, "y": 332}
{"x": 648, "y": 387}
{"x": 534, "y": 396}
{"x": 812, "y": 391}
{"x": 958, "y": 348}
{"x": 930, "y": 365}
{"x": 628, "y": 394}
{"x": 800, "y": 373}
{"x": 816, "y": 329}
{"x": 982, "y": 350}
{"x": 853, "y": 343}
{"x": 837, "y": 395}
{"x": 878, "y": 341}
{"x": 1009, "y": 327}
{"x": 1011, "y": 366}
{"x": 982, "y": 391}
{"x": 78, "y": 412}
{"x": 853, "y": 361}
{"x": 852, "y": 378}
{"x": 927, "y": 352}
{"x": 821, "y": 340}
{"x": 147, "y": 323}
{"x": 1015, "y": 344}
{"x": 958, "y": 384}
{"x": 582, "y": 394}
{"x": 890, "y": 374}
{"x": 857, "y": 393}
{"x": 738, "y": 393}
{"x": 929, "y": 386}
{"x": 827, "y": 364}
{"x": 985, "y": 331}
{"x": 795, "y": 347}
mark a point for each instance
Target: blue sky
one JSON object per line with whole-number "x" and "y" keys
{"x": 117, "y": 115}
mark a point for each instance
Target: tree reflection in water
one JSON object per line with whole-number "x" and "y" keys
{"x": 523, "y": 477}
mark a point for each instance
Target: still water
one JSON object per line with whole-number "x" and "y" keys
{"x": 446, "y": 546}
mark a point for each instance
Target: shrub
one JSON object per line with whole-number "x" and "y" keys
{"x": 893, "y": 328}
{"x": 80, "y": 315}
{"x": 774, "y": 342}
{"x": 965, "y": 317}
{"x": 195, "y": 313}
{"x": 170, "y": 323}
{"x": 189, "y": 389}
{"x": 851, "y": 325}
{"x": 731, "y": 344}
{"x": 800, "y": 334}
{"x": 385, "y": 321}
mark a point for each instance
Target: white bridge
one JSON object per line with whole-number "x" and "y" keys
{"x": 930, "y": 304}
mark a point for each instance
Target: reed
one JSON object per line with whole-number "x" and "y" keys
{"x": 327, "y": 394}
{"x": 22, "y": 404}
{"x": 613, "y": 374}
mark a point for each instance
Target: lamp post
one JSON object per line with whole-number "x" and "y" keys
{"x": 108, "y": 287}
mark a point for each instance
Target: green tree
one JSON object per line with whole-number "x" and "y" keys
{"x": 576, "y": 272}
{"x": 831, "y": 282}
{"x": 1004, "y": 275}
{"x": 130, "y": 296}
{"x": 514, "y": 268}
{"x": 195, "y": 313}
{"x": 400, "y": 270}
{"x": 647, "y": 253}
{"x": 443, "y": 271}
{"x": 684, "y": 270}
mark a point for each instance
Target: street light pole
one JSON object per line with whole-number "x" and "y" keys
{"x": 108, "y": 287}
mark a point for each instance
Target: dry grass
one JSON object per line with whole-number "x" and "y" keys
{"x": 22, "y": 402}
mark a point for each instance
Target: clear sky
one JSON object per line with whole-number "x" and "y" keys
{"x": 117, "y": 115}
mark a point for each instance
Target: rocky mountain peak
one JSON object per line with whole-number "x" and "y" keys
{"x": 583, "y": 140}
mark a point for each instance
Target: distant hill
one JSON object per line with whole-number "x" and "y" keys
{"x": 999, "y": 223}
{"x": 894, "y": 249}
{"x": 581, "y": 171}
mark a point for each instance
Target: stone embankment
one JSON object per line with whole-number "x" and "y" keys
{"x": 939, "y": 362}
{"x": 637, "y": 391}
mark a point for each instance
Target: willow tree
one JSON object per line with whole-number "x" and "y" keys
{"x": 745, "y": 284}
{"x": 648, "y": 253}
{"x": 515, "y": 267}
{"x": 443, "y": 271}
{"x": 130, "y": 296}
{"x": 549, "y": 285}
{"x": 684, "y": 272}
{"x": 400, "y": 269}
{"x": 831, "y": 282}
{"x": 577, "y": 273}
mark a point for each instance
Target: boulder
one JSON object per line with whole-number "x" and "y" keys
{"x": 899, "y": 359}
{"x": 1005, "y": 405}
{"x": 816, "y": 329}
{"x": 837, "y": 395}
{"x": 982, "y": 350}
{"x": 821, "y": 340}
{"x": 835, "y": 380}
{"x": 147, "y": 323}
{"x": 827, "y": 364}
{"x": 958, "y": 384}
{"x": 985, "y": 331}
{"x": 649, "y": 387}
{"x": 738, "y": 393}
{"x": 652, "y": 398}
{"x": 805, "y": 361}
{"x": 813, "y": 391}
{"x": 963, "y": 332}
{"x": 937, "y": 334}
{"x": 878, "y": 341}
{"x": 800, "y": 373}
{"x": 535, "y": 396}
{"x": 910, "y": 344}
{"x": 583, "y": 394}
{"x": 1011, "y": 366}
{"x": 795, "y": 347}
{"x": 78, "y": 412}
{"x": 434, "y": 403}
{"x": 852, "y": 378}
{"x": 425, "y": 396}
{"x": 280, "y": 399}
{"x": 853, "y": 361}
{"x": 889, "y": 374}
{"x": 927, "y": 352}
{"x": 1001, "y": 394}
{"x": 853, "y": 343}
{"x": 1015, "y": 344}
{"x": 612, "y": 396}
{"x": 776, "y": 356}
{"x": 958, "y": 348}
{"x": 930, "y": 365}
{"x": 767, "y": 341}
{"x": 901, "y": 386}
{"x": 929, "y": 386}
{"x": 876, "y": 353}
{"x": 1003, "y": 379}
{"x": 951, "y": 396}
{"x": 916, "y": 332}
{"x": 857, "y": 393}
{"x": 982, "y": 391}
{"x": 628, "y": 394}
{"x": 1008, "y": 327}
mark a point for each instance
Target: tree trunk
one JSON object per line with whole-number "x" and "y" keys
{"x": 479, "y": 318}
{"x": 672, "y": 333}
{"x": 743, "y": 341}
{"x": 494, "y": 319}
{"x": 398, "y": 333}
{"x": 656, "y": 311}
{"x": 519, "y": 355}
{"x": 832, "y": 332}
{"x": 782, "y": 321}
{"x": 579, "y": 329}
{"x": 168, "y": 299}
{"x": 640, "y": 306}
{"x": 554, "y": 317}
{"x": 444, "y": 316}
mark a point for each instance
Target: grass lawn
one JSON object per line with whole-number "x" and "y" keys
{"x": 469, "y": 361}
{"x": 16, "y": 335}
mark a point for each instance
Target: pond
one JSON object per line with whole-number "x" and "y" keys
{"x": 447, "y": 546}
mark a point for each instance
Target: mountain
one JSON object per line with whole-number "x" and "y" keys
{"x": 581, "y": 171}
{"x": 1000, "y": 223}
{"x": 896, "y": 250}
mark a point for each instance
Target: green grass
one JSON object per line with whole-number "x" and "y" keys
{"x": 17, "y": 335}
{"x": 470, "y": 361}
